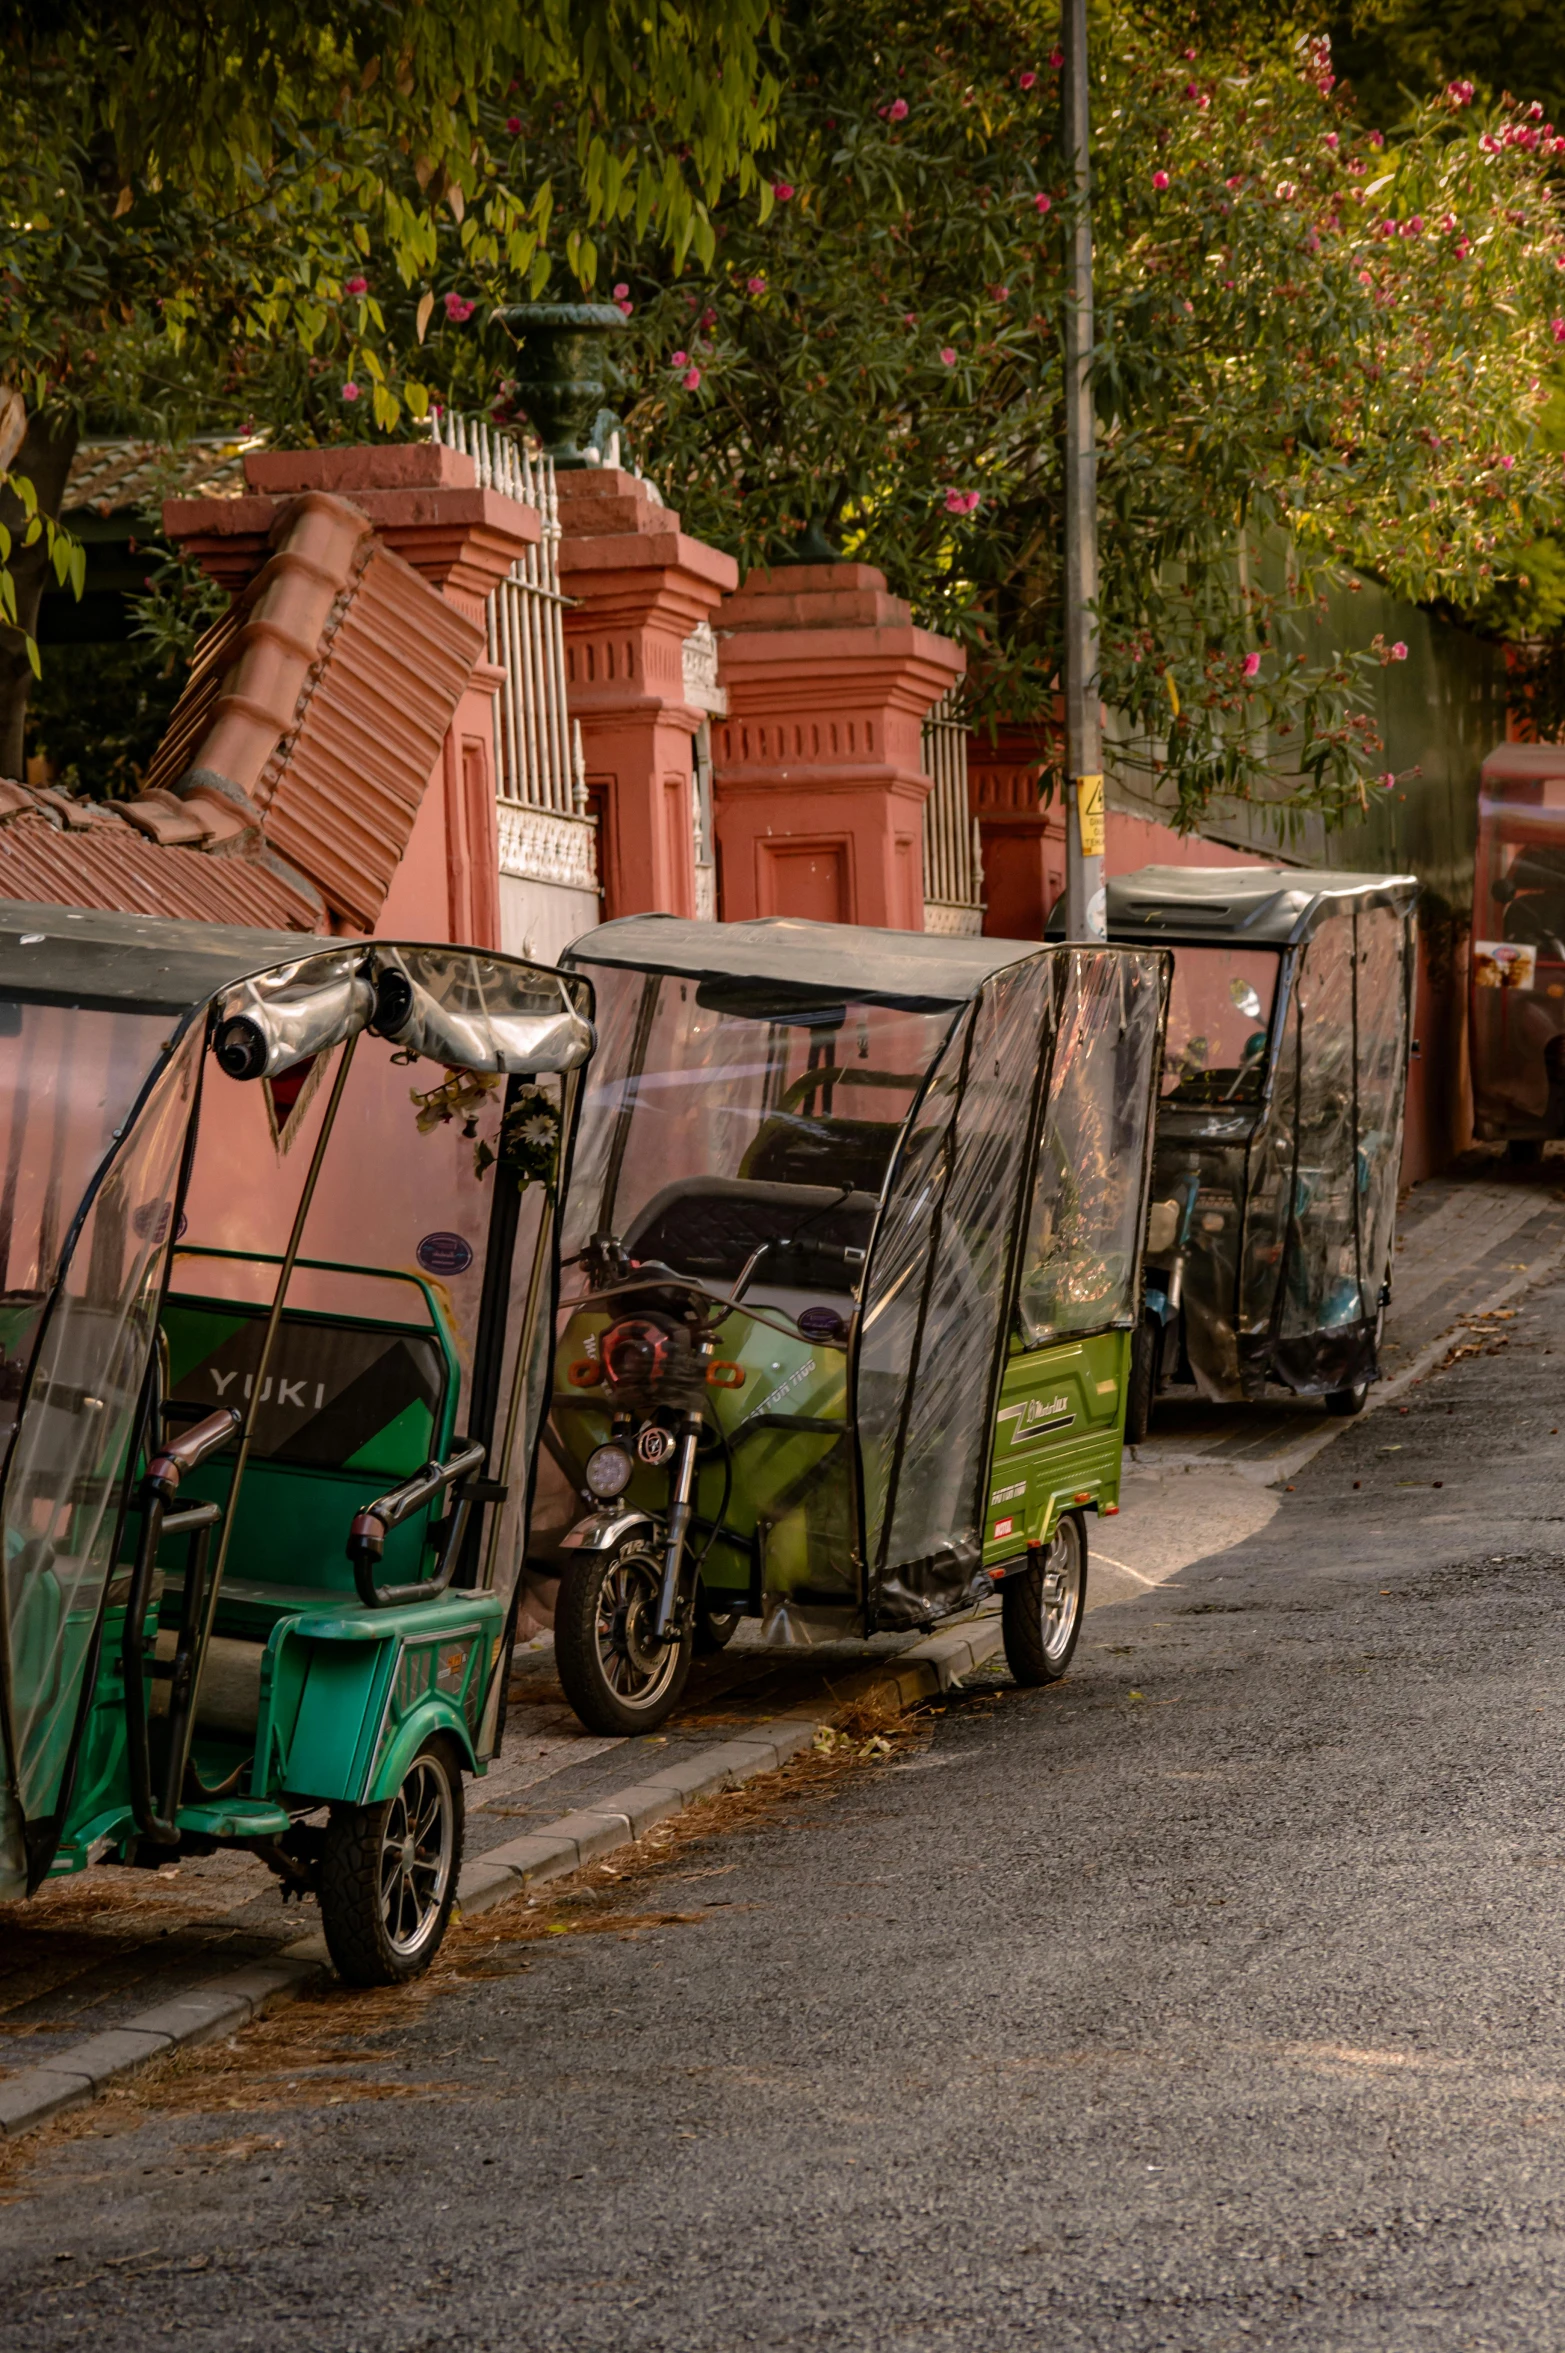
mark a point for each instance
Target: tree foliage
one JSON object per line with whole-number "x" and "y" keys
{"x": 1306, "y": 337}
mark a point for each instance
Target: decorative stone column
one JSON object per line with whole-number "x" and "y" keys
{"x": 818, "y": 772}
{"x": 1022, "y": 836}
{"x": 424, "y": 504}
{"x": 640, "y": 588}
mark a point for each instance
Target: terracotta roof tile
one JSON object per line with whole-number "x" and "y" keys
{"x": 109, "y": 865}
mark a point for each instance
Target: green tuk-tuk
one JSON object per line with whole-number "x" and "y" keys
{"x": 276, "y": 1223}
{"x": 850, "y": 1257}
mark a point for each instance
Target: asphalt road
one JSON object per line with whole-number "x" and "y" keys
{"x": 1210, "y": 1999}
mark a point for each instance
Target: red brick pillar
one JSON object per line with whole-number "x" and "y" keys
{"x": 640, "y": 587}
{"x": 1022, "y": 836}
{"x": 818, "y": 770}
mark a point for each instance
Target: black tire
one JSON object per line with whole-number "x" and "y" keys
{"x": 1347, "y": 1401}
{"x": 615, "y": 1678}
{"x": 1041, "y": 1608}
{"x": 389, "y": 1872}
{"x": 715, "y": 1628}
{"x": 1524, "y": 1151}
{"x": 1146, "y": 1346}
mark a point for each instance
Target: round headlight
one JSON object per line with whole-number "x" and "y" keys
{"x": 609, "y": 1471}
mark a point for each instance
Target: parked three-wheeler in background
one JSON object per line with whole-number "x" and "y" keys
{"x": 1279, "y": 1128}
{"x": 850, "y": 1265}
{"x": 274, "y": 1340}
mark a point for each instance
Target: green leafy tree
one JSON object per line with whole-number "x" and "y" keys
{"x": 1308, "y": 339}
{"x": 199, "y": 194}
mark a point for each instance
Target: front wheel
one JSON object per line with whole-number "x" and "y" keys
{"x": 389, "y": 1872}
{"x": 613, "y": 1670}
{"x": 1347, "y": 1401}
{"x": 715, "y": 1628}
{"x": 1040, "y": 1610}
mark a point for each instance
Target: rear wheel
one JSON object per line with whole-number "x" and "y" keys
{"x": 389, "y": 1872}
{"x": 1146, "y": 1347}
{"x": 1040, "y": 1610}
{"x": 613, "y": 1670}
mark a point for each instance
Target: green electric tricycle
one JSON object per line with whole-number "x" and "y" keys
{"x": 850, "y": 1263}
{"x": 277, "y": 1262}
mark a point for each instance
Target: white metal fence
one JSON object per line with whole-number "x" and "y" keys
{"x": 953, "y": 865}
{"x": 538, "y": 757}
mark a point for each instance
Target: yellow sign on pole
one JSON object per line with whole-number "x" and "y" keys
{"x": 1089, "y": 809}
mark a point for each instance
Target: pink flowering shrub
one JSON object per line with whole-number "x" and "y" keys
{"x": 458, "y": 309}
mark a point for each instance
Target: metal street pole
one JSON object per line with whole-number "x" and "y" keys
{"x": 1084, "y": 915}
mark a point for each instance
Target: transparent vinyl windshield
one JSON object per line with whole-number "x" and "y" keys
{"x": 1219, "y": 1019}
{"x": 722, "y": 1114}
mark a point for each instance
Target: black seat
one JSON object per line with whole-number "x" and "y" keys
{"x": 708, "y": 1227}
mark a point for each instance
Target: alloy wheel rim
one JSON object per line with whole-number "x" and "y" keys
{"x": 1061, "y": 1595}
{"x": 415, "y": 1856}
{"x": 636, "y": 1667}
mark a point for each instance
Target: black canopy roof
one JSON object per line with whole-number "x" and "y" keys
{"x": 83, "y": 955}
{"x": 1263, "y": 906}
{"x": 842, "y": 959}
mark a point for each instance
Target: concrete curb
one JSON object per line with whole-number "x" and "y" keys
{"x": 224, "y": 2004}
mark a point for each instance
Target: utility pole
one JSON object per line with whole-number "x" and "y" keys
{"x": 1084, "y": 913}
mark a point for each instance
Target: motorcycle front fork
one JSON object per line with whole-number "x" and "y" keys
{"x": 681, "y": 1510}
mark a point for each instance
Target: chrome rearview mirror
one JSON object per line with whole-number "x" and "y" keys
{"x": 477, "y": 1012}
{"x": 267, "y": 1024}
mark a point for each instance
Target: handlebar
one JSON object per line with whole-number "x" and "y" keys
{"x": 371, "y": 1527}
{"x": 180, "y": 1455}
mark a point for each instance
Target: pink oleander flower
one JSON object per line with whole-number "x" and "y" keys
{"x": 679, "y": 359}
{"x": 947, "y": 356}
{"x": 458, "y": 309}
{"x": 1460, "y": 93}
{"x": 1286, "y": 191}
{"x": 350, "y": 390}
{"x": 1507, "y": 463}
{"x": 355, "y": 285}
{"x": 963, "y": 502}
{"x": 1399, "y": 651}
{"x": 1192, "y": 89}
{"x": 1027, "y": 79}
{"x": 1056, "y": 58}
{"x": 1002, "y": 293}
{"x": 910, "y": 318}
{"x": 690, "y": 379}
{"x": 1387, "y": 781}
{"x": 1332, "y": 140}
{"x": 1489, "y": 144}
{"x": 1377, "y": 138}
{"x": 1160, "y": 180}
{"x": 513, "y": 123}
{"x": 1448, "y": 223}
{"x": 620, "y": 291}
{"x": 1236, "y": 182}
{"x": 1557, "y": 329}
{"x": 1413, "y": 227}
{"x": 1252, "y": 665}
{"x": 1535, "y": 112}
{"x": 782, "y": 190}
{"x": 898, "y": 110}
{"x": 1042, "y": 203}
{"x": 709, "y": 318}
{"x": 1461, "y": 249}
{"x": 755, "y": 285}
{"x": 625, "y": 307}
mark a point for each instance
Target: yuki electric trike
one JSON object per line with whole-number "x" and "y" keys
{"x": 276, "y": 1220}
{"x": 850, "y": 1261}
{"x": 1279, "y": 1128}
